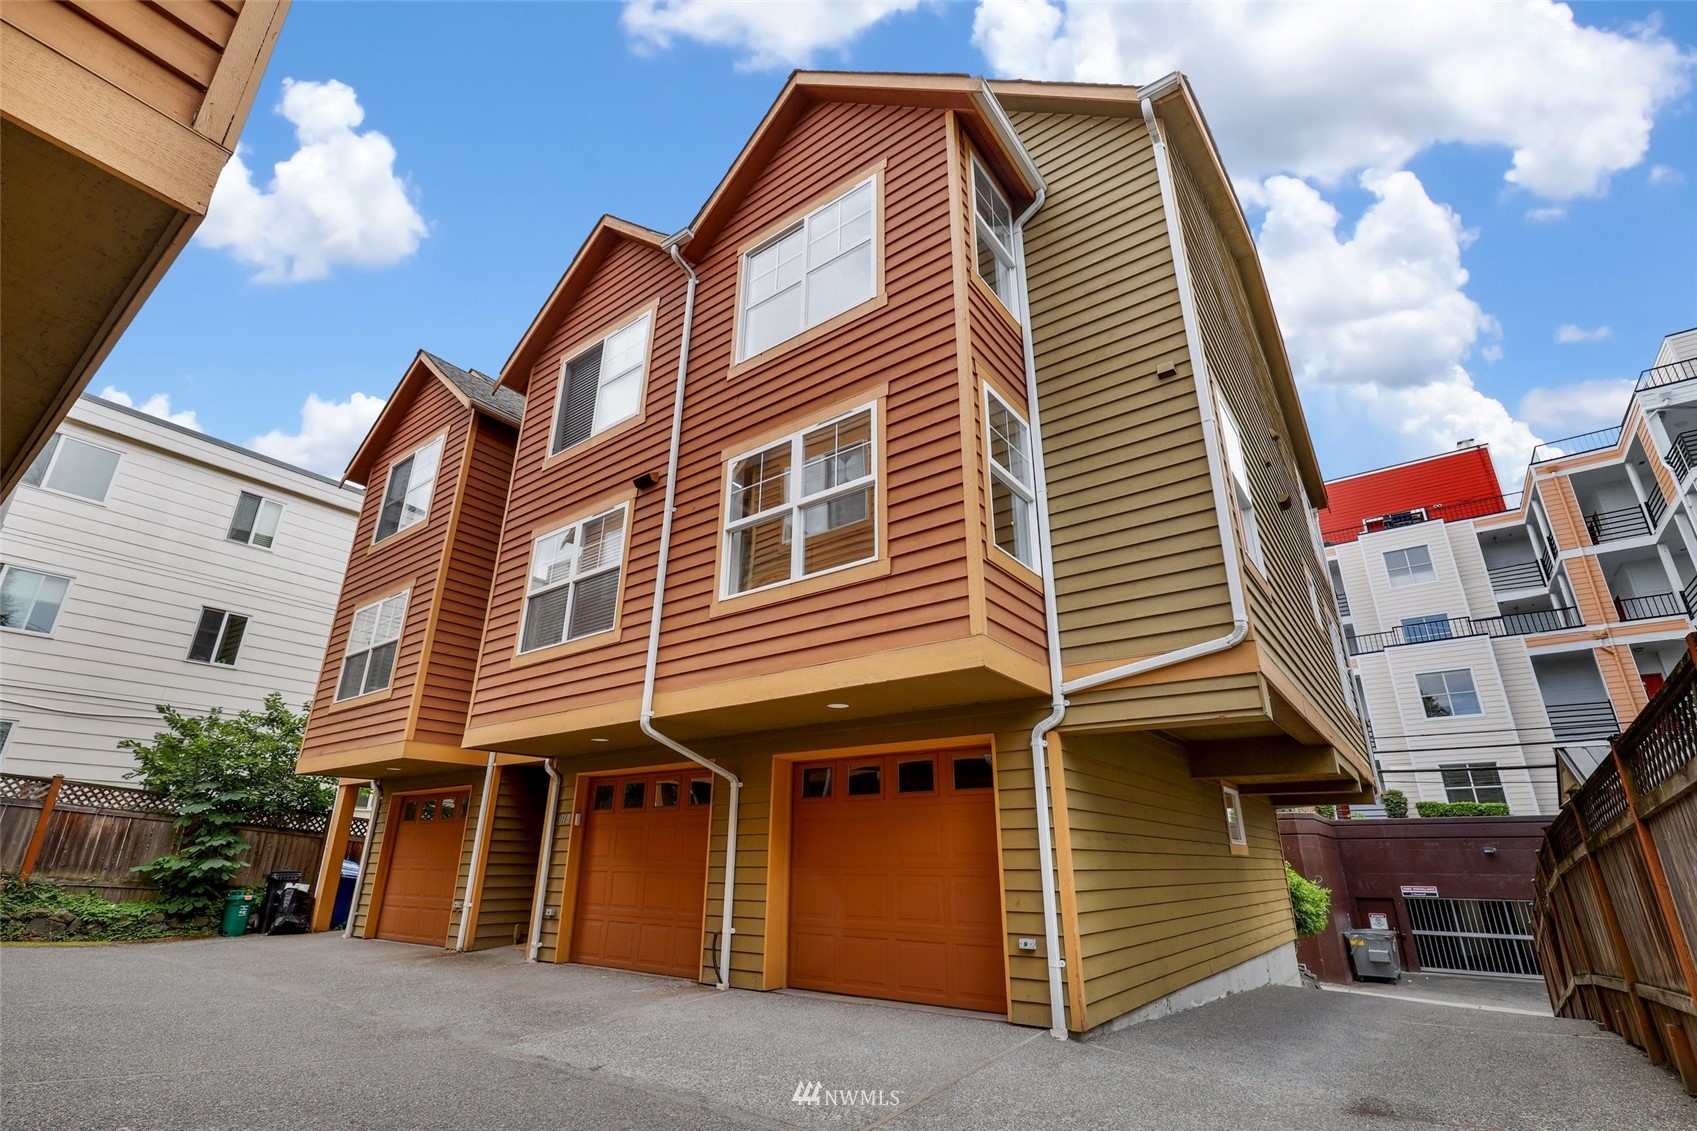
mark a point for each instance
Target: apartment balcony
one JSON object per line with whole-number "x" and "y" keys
{"x": 1614, "y": 525}
{"x": 1666, "y": 375}
{"x": 1517, "y": 575}
{"x": 1343, "y": 603}
{"x": 1427, "y": 632}
{"x": 1583, "y": 722}
{"x": 1577, "y": 445}
{"x": 1652, "y": 606}
{"x": 1682, "y": 455}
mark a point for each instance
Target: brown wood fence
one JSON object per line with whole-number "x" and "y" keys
{"x": 1616, "y": 911}
{"x": 90, "y": 837}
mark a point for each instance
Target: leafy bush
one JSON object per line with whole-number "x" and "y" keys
{"x": 1310, "y": 903}
{"x": 1461, "y": 808}
{"x": 221, "y": 773}
{"x": 1395, "y": 802}
{"x": 90, "y": 917}
{"x": 1330, "y": 812}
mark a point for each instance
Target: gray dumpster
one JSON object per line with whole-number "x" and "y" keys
{"x": 1374, "y": 954}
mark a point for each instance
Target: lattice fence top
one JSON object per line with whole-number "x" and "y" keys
{"x": 1602, "y": 800}
{"x": 1666, "y": 747}
{"x": 1563, "y": 836}
{"x": 94, "y": 795}
{"x": 17, "y": 787}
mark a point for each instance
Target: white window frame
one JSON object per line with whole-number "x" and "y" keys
{"x": 372, "y": 645}
{"x": 1006, "y": 286}
{"x": 1024, "y": 493}
{"x": 1473, "y": 785}
{"x": 1449, "y": 693}
{"x": 576, "y": 578}
{"x": 794, "y": 503}
{"x": 440, "y": 442}
{"x": 55, "y": 448}
{"x": 640, "y": 369}
{"x": 1237, "y": 835}
{"x": 1408, "y": 571}
{"x": 8, "y": 727}
{"x": 276, "y": 525}
{"x": 223, "y": 635}
{"x": 804, "y": 225}
{"x": 7, "y": 568}
{"x": 1237, "y": 470}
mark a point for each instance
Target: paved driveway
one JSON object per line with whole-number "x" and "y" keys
{"x": 318, "y": 1032}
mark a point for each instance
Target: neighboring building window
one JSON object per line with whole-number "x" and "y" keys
{"x": 73, "y": 467}
{"x": 372, "y": 642}
{"x": 832, "y": 501}
{"x": 992, "y": 229}
{"x": 218, "y": 637}
{"x": 602, "y": 385}
{"x": 809, "y": 273}
{"x": 406, "y": 500}
{"x": 574, "y": 581}
{"x": 1409, "y": 567}
{"x": 1013, "y": 487}
{"x": 1417, "y": 630}
{"x": 7, "y": 726}
{"x": 1232, "y": 441}
{"x": 30, "y": 600}
{"x": 1474, "y": 781}
{"x": 1443, "y": 694}
{"x": 1236, "y": 834}
{"x": 255, "y": 520}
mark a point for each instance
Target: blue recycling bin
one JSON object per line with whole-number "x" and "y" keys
{"x": 344, "y": 893}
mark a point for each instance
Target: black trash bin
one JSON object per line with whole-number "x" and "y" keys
{"x": 291, "y": 911}
{"x": 277, "y": 894}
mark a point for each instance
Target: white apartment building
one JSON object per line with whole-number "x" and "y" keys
{"x": 144, "y": 563}
{"x": 1496, "y": 648}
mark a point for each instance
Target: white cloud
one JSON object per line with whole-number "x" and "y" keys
{"x": 1320, "y": 90}
{"x": 1568, "y": 410}
{"x": 330, "y": 433}
{"x": 1548, "y": 214}
{"x": 159, "y": 404}
{"x": 766, "y": 35}
{"x": 336, "y": 200}
{"x": 1666, "y": 175}
{"x": 1569, "y": 334}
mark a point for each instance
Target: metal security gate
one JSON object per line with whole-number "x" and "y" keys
{"x": 1474, "y": 936}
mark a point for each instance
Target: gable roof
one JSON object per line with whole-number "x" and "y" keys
{"x": 515, "y": 374}
{"x": 471, "y": 388}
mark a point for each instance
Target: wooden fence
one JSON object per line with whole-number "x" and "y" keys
{"x": 90, "y": 837}
{"x": 1616, "y": 897}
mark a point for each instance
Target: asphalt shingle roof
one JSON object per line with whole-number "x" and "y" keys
{"x": 500, "y": 402}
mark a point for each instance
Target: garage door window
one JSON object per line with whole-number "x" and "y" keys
{"x": 816, "y": 782}
{"x": 665, "y": 795}
{"x": 700, "y": 792}
{"x": 916, "y": 777}
{"x": 603, "y": 797}
{"x": 865, "y": 781}
{"x": 973, "y": 773}
{"x": 636, "y": 793}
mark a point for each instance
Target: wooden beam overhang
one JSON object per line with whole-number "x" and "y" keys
{"x": 1250, "y": 762}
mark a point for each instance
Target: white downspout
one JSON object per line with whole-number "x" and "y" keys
{"x": 471, "y": 882}
{"x": 544, "y": 859}
{"x": 364, "y": 857}
{"x": 646, "y": 720}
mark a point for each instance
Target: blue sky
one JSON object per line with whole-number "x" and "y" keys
{"x": 1436, "y": 192}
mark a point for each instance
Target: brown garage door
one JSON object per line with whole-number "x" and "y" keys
{"x": 894, "y": 881}
{"x": 642, "y": 885}
{"x": 425, "y": 834}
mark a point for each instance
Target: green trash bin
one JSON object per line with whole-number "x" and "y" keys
{"x": 238, "y": 905}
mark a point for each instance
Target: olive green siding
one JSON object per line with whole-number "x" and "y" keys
{"x": 374, "y": 860}
{"x": 509, "y": 872}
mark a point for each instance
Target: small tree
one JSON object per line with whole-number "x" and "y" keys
{"x": 1310, "y": 903}
{"x": 1330, "y": 812}
{"x": 1396, "y": 803}
{"x": 221, "y": 773}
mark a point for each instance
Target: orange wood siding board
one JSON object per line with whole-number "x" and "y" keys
{"x": 412, "y": 560}
{"x": 113, "y": 58}
{"x": 146, "y": 28}
{"x": 907, "y": 345}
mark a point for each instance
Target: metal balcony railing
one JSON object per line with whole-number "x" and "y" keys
{"x": 1574, "y": 445}
{"x": 1667, "y": 374}
{"x": 1650, "y": 607}
{"x": 1655, "y": 506}
{"x": 1582, "y": 722}
{"x": 1426, "y": 632}
{"x": 1682, "y": 455}
{"x": 1611, "y": 526}
{"x": 1518, "y": 575}
{"x": 1343, "y": 603}
{"x": 1689, "y": 596}
{"x": 1550, "y": 541}
{"x": 1426, "y": 512}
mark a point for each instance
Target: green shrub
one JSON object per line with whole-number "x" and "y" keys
{"x": 1395, "y": 802}
{"x": 1461, "y": 808}
{"x": 91, "y": 919}
{"x": 1310, "y": 903}
{"x": 1330, "y": 812}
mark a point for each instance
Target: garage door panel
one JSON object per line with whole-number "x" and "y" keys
{"x": 921, "y": 900}
{"x": 425, "y": 833}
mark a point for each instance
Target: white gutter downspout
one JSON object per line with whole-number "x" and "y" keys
{"x": 646, "y": 720}
{"x": 364, "y": 857}
{"x": 544, "y": 859}
{"x": 471, "y": 881}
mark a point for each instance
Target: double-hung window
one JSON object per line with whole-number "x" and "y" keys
{"x": 406, "y": 499}
{"x": 369, "y": 661}
{"x": 992, "y": 233}
{"x": 1447, "y": 693}
{"x": 811, "y": 272}
{"x": 803, "y": 506}
{"x": 602, "y": 385}
{"x": 1013, "y": 486}
{"x": 73, "y": 467}
{"x": 7, "y": 726}
{"x": 255, "y": 520}
{"x": 1237, "y": 467}
{"x": 573, "y": 590}
{"x": 29, "y": 600}
{"x": 218, "y": 637}
{"x": 1409, "y": 567}
{"x": 1473, "y": 781}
